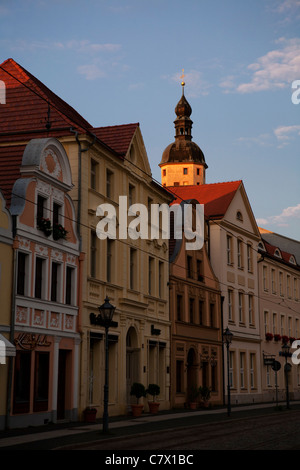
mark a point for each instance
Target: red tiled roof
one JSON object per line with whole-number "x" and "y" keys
{"x": 117, "y": 138}
{"x": 24, "y": 117}
{"x": 285, "y": 256}
{"x": 26, "y": 107}
{"x": 216, "y": 197}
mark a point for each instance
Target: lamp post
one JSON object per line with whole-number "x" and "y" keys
{"x": 106, "y": 313}
{"x": 286, "y": 353}
{"x": 227, "y": 338}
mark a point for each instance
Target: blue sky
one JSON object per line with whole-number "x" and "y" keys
{"x": 120, "y": 61}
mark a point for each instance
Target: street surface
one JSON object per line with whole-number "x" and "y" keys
{"x": 275, "y": 431}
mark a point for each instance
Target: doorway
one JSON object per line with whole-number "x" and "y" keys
{"x": 132, "y": 361}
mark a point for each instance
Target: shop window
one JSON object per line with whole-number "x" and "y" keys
{"x": 21, "y": 401}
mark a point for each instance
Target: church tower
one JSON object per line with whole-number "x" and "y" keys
{"x": 183, "y": 162}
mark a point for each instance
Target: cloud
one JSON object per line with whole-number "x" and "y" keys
{"x": 272, "y": 71}
{"x": 285, "y": 134}
{"x": 82, "y": 46}
{"x": 194, "y": 82}
{"x": 263, "y": 140}
{"x": 91, "y": 71}
{"x": 283, "y": 219}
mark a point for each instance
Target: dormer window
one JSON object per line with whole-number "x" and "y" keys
{"x": 277, "y": 253}
{"x": 292, "y": 260}
{"x": 239, "y": 216}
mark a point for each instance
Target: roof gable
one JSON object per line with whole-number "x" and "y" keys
{"x": 118, "y": 138}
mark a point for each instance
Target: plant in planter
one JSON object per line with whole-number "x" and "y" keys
{"x": 277, "y": 337}
{"x": 284, "y": 339}
{"x": 193, "y": 395}
{"x": 153, "y": 390}
{"x": 138, "y": 390}
{"x": 59, "y": 232}
{"x": 90, "y": 414}
{"x": 269, "y": 336}
{"x": 204, "y": 393}
{"x": 44, "y": 225}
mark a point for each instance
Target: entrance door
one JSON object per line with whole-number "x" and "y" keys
{"x": 132, "y": 362}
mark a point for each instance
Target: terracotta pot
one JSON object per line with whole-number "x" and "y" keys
{"x": 193, "y": 405}
{"x": 137, "y": 409}
{"x": 153, "y": 407}
{"x": 90, "y": 415}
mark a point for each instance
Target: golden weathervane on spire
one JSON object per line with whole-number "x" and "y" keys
{"x": 182, "y": 77}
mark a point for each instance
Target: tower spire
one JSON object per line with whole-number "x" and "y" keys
{"x": 182, "y": 81}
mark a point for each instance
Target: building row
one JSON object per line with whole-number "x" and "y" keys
{"x": 172, "y": 303}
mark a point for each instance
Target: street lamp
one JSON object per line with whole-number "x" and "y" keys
{"x": 227, "y": 337}
{"x": 286, "y": 353}
{"x": 106, "y": 313}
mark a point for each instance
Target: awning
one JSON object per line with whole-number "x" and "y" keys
{"x": 6, "y": 349}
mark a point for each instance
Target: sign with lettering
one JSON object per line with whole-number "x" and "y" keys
{"x": 30, "y": 341}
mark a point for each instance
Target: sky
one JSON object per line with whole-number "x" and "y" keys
{"x": 120, "y": 61}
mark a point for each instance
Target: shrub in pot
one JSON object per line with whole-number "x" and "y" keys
{"x": 204, "y": 393}
{"x": 154, "y": 390}
{"x": 138, "y": 390}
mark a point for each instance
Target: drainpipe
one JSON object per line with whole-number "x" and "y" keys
{"x": 12, "y": 322}
{"x": 80, "y": 152}
{"x": 223, "y": 356}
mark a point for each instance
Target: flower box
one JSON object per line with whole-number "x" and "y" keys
{"x": 269, "y": 336}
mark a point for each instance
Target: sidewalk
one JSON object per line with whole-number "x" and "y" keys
{"x": 69, "y": 433}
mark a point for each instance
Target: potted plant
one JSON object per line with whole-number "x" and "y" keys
{"x": 269, "y": 336}
{"x": 90, "y": 414}
{"x": 284, "y": 339}
{"x": 44, "y": 225}
{"x": 193, "y": 395}
{"x": 154, "y": 390}
{"x": 59, "y": 232}
{"x": 277, "y": 337}
{"x": 204, "y": 393}
{"x": 138, "y": 390}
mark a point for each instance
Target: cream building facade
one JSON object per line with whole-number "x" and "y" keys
{"x": 279, "y": 284}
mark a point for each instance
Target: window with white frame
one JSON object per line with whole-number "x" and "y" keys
{"x": 241, "y": 307}
{"x": 230, "y": 304}
{"x": 280, "y": 283}
{"x": 274, "y": 323}
{"x": 266, "y": 321}
{"x": 288, "y": 285}
{"x": 265, "y": 278}
{"x": 250, "y": 309}
{"x": 249, "y": 258}
{"x": 252, "y": 370}
{"x": 231, "y": 369}
{"x": 240, "y": 253}
{"x": 229, "y": 249}
{"x": 273, "y": 281}
{"x": 242, "y": 369}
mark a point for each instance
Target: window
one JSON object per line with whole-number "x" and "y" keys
{"x": 179, "y": 307}
{"x": 22, "y": 382}
{"x": 250, "y": 309}
{"x": 273, "y": 281}
{"x": 109, "y": 260}
{"x": 199, "y": 271}
{"x": 282, "y": 329}
{"x": 55, "y": 282}
{"x": 252, "y": 370}
{"x": 265, "y": 278}
{"x": 242, "y": 370}
{"x": 288, "y": 285}
{"x": 295, "y": 289}
{"x": 109, "y": 183}
{"x": 151, "y": 276}
{"x": 41, "y": 381}
{"x": 39, "y": 275}
{"x": 164, "y": 172}
{"x": 240, "y": 254}
{"x": 274, "y": 323}
{"x": 229, "y": 249}
{"x": 290, "y": 326}
{"x": 201, "y": 312}
{"x": 93, "y": 254}
{"x": 280, "y": 283}
{"x": 132, "y": 267}
{"x": 212, "y": 315}
{"x": 41, "y": 204}
{"x": 22, "y": 278}
{"x": 198, "y": 171}
{"x": 70, "y": 284}
{"x": 241, "y": 307}
{"x": 266, "y": 321}
{"x": 94, "y": 174}
{"x": 249, "y": 258}
{"x": 161, "y": 279}
{"x": 131, "y": 193}
{"x": 230, "y": 304}
{"x": 239, "y": 216}
{"x": 179, "y": 376}
{"x": 191, "y": 308}
{"x": 190, "y": 267}
{"x": 231, "y": 369}
{"x": 185, "y": 171}
{"x": 56, "y": 213}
